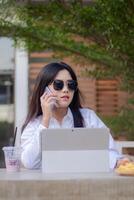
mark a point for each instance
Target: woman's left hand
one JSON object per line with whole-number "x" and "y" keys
{"x": 122, "y": 161}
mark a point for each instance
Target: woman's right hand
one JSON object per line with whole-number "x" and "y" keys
{"x": 46, "y": 105}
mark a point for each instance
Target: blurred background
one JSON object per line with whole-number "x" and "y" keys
{"x": 95, "y": 37}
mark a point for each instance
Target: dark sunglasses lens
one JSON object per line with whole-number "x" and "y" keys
{"x": 58, "y": 84}
{"x": 72, "y": 85}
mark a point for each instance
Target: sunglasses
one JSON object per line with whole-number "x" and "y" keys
{"x": 59, "y": 85}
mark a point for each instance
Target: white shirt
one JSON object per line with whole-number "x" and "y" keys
{"x": 30, "y": 139}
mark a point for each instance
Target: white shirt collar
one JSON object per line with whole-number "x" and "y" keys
{"x": 67, "y": 121}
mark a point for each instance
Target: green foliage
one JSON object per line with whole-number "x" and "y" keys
{"x": 6, "y": 131}
{"x": 116, "y": 22}
{"x": 121, "y": 125}
{"x": 108, "y": 25}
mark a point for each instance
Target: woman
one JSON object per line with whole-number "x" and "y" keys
{"x": 55, "y": 103}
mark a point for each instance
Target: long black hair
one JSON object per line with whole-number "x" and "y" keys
{"x": 46, "y": 77}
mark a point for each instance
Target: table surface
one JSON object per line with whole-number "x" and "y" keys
{"x": 35, "y": 185}
{"x": 25, "y": 174}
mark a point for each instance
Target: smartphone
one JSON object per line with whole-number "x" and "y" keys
{"x": 48, "y": 90}
{"x": 53, "y": 103}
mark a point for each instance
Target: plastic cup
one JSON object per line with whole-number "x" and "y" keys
{"x": 12, "y": 158}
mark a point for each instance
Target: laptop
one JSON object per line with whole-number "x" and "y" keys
{"x": 75, "y": 150}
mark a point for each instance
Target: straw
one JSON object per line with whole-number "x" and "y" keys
{"x": 15, "y": 133}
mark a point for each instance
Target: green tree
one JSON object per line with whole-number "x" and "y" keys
{"x": 107, "y": 26}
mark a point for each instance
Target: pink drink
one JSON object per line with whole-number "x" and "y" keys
{"x": 12, "y": 158}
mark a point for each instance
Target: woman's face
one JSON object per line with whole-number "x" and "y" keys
{"x": 64, "y": 95}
